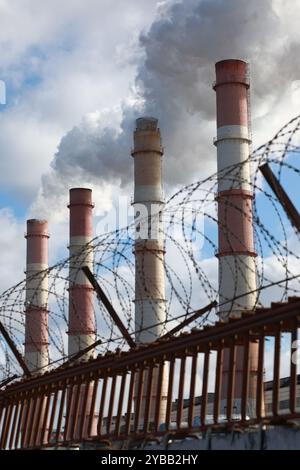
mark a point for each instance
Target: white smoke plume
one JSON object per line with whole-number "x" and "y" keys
{"x": 174, "y": 83}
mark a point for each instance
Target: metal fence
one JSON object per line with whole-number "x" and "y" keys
{"x": 112, "y": 397}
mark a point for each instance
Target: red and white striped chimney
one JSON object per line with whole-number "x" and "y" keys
{"x": 237, "y": 270}
{"x": 36, "y": 312}
{"x": 81, "y": 309}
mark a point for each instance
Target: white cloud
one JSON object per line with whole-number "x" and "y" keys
{"x": 26, "y": 148}
{"x": 83, "y": 68}
{"x": 61, "y": 62}
{"x": 173, "y": 81}
{"x": 12, "y": 245}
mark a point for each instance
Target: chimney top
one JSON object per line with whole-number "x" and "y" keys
{"x": 81, "y": 196}
{"x": 232, "y": 62}
{"x": 37, "y": 227}
{"x": 36, "y": 221}
{"x": 232, "y": 71}
{"x": 80, "y": 189}
{"x": 146, "y": 123}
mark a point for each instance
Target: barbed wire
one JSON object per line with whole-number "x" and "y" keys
{"x": 189, "y": 227}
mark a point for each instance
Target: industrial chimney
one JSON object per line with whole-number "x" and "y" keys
{"x": 150, "y": 300}
{"x": 237, "y": 271}
{"x": 36, "y": 313}
{"x": 81, "y": 310}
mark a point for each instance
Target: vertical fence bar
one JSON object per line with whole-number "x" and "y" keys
{"x": 111, "y": 403}
{"x": 218, "y": 384}
{"x": 36, "y": 426}
{"x": 129, "y": 404}
{"x": 102, "y": 403}
{"x": 170, "y": 392}
{"x": 180, "y": 392}
{"x": 148, "y": 400}
{"x": 4, "y": 413}
{"x": 83, "y": 411}
{"x": 92, "y": 408}
{"x": 276, "y": 375}
{"x": 12, "y": 422}
{"x": 231, "y": 380}
{"x": 158, "y": 395}
{"x": 5, "y": 427}
{"x": 70, "y": 401}
{"x": 31, "y": 420}
{"x": 20, "y": 419}
{"x": 245, "y": 384}
{"x": 2, "y": 408}
{"x": 24, "y": 424}
{"x": 260, "y": 376}
{"x": 52, "y": 416}
{"x": 192, "y": 390}
{"x": 205, "y": 386}
{"x": 60, "y": 414}
{"x": 75, "y": 410}
{"x": 13, "y": 428}
{"x": 43, "y": 439}
{"x": 138, "y": 400}
{"x": 293, "y": 381}
{"x": 120, "y": 404}
{"x": 9, "y": 424}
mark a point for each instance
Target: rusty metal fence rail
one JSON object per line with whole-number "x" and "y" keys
{"x": 119, "y": 395}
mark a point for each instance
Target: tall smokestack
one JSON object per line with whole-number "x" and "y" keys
{"x": 237, "y": 271}
{"x": 150, "y": 300}
{"x": 36, "y": 313}
{"x": 81, "y": 332}
{"x": 81, "y": 310}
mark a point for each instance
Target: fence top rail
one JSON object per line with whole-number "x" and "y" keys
{"x": 264, "y": 321}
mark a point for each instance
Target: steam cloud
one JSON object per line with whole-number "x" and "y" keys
{"x": 173, "y": 83}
